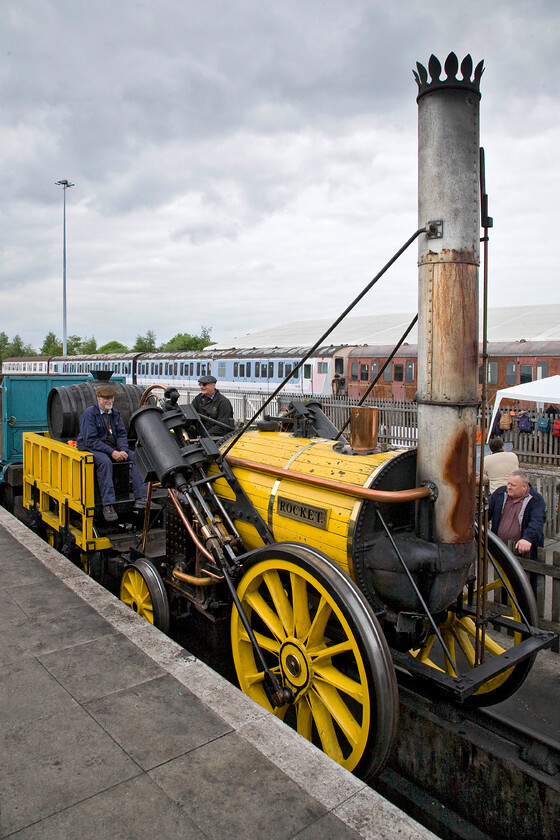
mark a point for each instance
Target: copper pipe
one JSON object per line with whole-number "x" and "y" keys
{"x": 195, "y": 581}
{"x": 188, "y": 526}
{"x": 146, "y": 517}
{"x": 387, "y": 496}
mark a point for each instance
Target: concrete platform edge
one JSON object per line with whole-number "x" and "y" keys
{"x": 342, "y": 794}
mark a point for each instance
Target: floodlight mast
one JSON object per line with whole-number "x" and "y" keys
{"x": 64, "y": 184}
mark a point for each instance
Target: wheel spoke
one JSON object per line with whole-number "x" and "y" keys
{"x": 341, "y": 682}
{"x": 325, "y": 728}
{"x": 280, "y": 601}
{"x": 339, "y": 711}
{"x": 257, "y": 603}
{"x": 327, "y": 653}
{"x": 264, "y": 642}
{"x": 304, "y": 718}
{"x": 318, "y": 627}
{"x": 302, "y": 619}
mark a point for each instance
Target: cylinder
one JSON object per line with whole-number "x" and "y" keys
{"x": 448, "y": 259}
{"x": 67, "y": 402}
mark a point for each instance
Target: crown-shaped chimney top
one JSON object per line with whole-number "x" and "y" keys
{"x": 451, "y": 82}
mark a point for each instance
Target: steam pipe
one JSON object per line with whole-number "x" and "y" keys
{"x": 386, "y": 496}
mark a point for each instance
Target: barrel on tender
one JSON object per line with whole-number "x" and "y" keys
{"x": 67, "y": 402}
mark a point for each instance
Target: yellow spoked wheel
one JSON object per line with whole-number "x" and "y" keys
{"x": 508, "y": 594}
{"x": 321, "y": 639}
{"x": 142, "y": 590}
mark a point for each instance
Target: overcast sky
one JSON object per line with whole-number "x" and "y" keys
{"x": 246, "y": 163}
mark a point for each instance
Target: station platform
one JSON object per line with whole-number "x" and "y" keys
{"x": 110, "y": 730}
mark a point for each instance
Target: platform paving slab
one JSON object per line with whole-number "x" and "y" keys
{"x": 112, "y": 730}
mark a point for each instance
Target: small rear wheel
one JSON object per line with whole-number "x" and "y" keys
{"x": 142, "y": 590}
{"x": 321, "y": 639}
{"x": 507, "y": 592}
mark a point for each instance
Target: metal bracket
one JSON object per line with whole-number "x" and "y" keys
{"x": 434, "y": 230}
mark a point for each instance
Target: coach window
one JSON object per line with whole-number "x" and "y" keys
{"x": 307, "y": 371}
{"x": 242, "y": 371}
{"x": 409, "y": 373}
{"x": 295, "y": 374}
{"x": 235, "y": 370}
{"x": 221, "y": 370}
{"x": 339, "y": 365}
{"x": 322, "y": 367}
{"x": 263, "y": 370}
{"x": 492, "y": 373}
{"x": 388, "y": 374}
{"x": 175, "y": 369}
{"x": 354, "y": 371}
{"x": 511, "y": 373}
{"x": 288, "y": 370}
{"x": 248, "y": 369}
{"x": 542, "y": 370}
{"x": 374, "y": 370}
{"x": 364, "y": 371}
{"x": 280, "y": 370}
{"x": 399, "y": 372}
{"x": 271, "y": 370}
{"x": 526, "y": 374}
{"x": 257, "y": 370}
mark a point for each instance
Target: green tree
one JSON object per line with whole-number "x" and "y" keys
{"x": 51, "y": 346}
{"x": 113, "y": 347}
{"x": 145, "y": 343}
{"x": 4, "y": 341}
{"x": 89, "y": 346}
{"x": 185, "y": 341}
{"x": 16, "y": 347}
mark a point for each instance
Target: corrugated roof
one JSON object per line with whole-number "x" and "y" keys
{"x": 508, "y": 323}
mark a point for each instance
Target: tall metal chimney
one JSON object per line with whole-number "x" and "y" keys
{"x": 448, "y": 259}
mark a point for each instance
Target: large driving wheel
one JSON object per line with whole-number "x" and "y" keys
{"x": 143, "y": 591}
{"x": 321, "y": 639}
{"x": 507, "y": 592}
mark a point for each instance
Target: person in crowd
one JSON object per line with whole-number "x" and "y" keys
{"x": 496, "y": 431}
{"x": 499, "y": 465}
{"x": 213, "y": 406}
{"x": 518, "y": 513}
{"x": 102, "y": 432}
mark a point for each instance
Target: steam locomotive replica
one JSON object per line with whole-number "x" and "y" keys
{"x": 337, "y": 564}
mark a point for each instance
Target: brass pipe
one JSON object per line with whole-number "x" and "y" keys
{"x": 387, "y": 496}
{"x": 194, "y": 581}
{"x": 146, "y": 517}
{"x": 187, "y": 524}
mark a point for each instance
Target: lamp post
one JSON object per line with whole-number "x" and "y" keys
{"x": 64, "y": 184}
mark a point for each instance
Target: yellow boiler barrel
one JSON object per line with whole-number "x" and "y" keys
{"x": 321, "y": 517}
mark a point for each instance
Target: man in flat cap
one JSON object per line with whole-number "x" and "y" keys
{"x": 102, "y": 432}
{"x": 214, "y": 406}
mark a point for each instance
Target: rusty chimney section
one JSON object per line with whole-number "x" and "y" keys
{"x": 448, "y": 259}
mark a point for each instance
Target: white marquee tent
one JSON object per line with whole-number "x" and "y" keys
{"x": 539, "y": 391}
